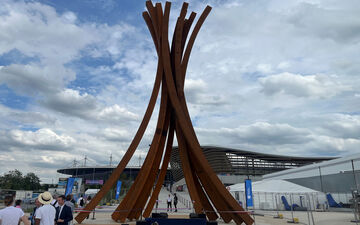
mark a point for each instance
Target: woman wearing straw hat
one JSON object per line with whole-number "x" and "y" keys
{"x": 45, "y": 215}
{"x": 11, "y": 215}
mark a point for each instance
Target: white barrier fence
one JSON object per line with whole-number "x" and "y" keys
{"x": 273, "y": 201}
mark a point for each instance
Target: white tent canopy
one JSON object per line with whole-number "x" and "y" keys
{"x": 273, "y": 186}
{"x": 91, "y": 191}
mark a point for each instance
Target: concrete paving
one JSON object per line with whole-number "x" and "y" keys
{"x": 321, "y": 218}
{"x": 103, "y": 215}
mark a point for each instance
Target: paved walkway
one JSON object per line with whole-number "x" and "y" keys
{"x": 163, "y": 196}
{"x": 321, "y": 218}
{"x": 103, "y": 216}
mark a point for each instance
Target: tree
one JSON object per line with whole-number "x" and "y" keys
{"x": 16, "y": 181}
{"x": 32, "y": 182}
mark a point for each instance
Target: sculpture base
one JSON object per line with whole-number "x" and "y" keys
{"x": 175, "y": 221}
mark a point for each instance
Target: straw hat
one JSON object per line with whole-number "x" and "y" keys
{"x": 45, "y": 198}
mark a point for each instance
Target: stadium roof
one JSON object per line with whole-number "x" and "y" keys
{"x": 241, "y": 162}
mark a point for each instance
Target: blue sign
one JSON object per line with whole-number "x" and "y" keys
{"x": 248, "y": 193}
{"x": 118, "y": 188}
{"x": 69, "y": 185}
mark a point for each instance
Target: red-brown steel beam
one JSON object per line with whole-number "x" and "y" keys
{"x": 195, "y": 190}
{"x": 154, "y": 30}
{"x": 163, "y": 171}
{"x": 177, "y": 52}
{"x": 186, "y": 125}
{"x": 213, "y": 194}
{"x": 128, "y": 203}
{"x": 208, "y": 208}
{"x": 179, "y": 80}
{"x": 169, "y": 63}
{"x": 188, "y": 175}
{"x": 129, "y": 153}
{"x": 150, "y": 179}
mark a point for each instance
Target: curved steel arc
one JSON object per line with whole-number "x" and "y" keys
{"x": 163, "y": 170}
{"x": 201, "y": 201}
{"x": 149, "y": 20}
{"x": 151, "y": 178}
{"x": 128, "y": 203}
{"x": 189, "y": 169}
{"x": 129, "y": 153}
{"x": 186, "y": 125}
{"x": 191, "y": 41}
{"x": 142, "y": 200}
{"x": 188, "y": 175}
{"x": 204, "y": 185}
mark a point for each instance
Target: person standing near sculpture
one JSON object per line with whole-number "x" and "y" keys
{"x": 54, "y": 201}
{"x": 81, "y": 202}
{"x": 69, "y": 203}
{"x": 175, "y": 202}
{"x": 37, "y": 206}
{"x": 18, "y": 203}
{"x": 169, "y": 200}
{"x": 11, "y": 215}
{"x": 63, "y": 212}
{"x": 45, "y": 215}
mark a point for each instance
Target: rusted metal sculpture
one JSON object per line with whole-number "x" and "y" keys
{"x": 206, "y": 190}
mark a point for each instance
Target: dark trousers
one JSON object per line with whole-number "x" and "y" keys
{"x": 175, "y": 203}
{"x": 168, "y": 206}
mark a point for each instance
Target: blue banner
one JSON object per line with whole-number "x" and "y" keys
{"x": 69, "y": 185}
{"x": 118, "y": 188}
{"x": 248, "y": 193}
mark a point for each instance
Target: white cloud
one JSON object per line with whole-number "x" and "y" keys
{"x": 42, "y": 139}
{"x": 113, "y": 134}
{"x": 259, "y": 133}
{"x": 264, "y": 68}
{"x": 325, "y": 145}
{"x": 312, "y": 86}
{"x": 92, "y": 105}
{"x": 117, "y": 113}
{"x": 343, "y": 126}
{"x": 25, "y": 118}
{"x": 72, "y": 102}
{"x": 34, "y": 79}
{"x": 37, "y": 30}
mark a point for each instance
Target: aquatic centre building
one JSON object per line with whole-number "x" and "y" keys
{"x": 231, "y": 165}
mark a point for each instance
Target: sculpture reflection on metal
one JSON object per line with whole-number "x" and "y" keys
{"x": 207, "y": 192}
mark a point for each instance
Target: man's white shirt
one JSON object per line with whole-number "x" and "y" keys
{"x": 46, "y": 214}
{"x": 10, "y": 215}
{"x": 61, "y": 208}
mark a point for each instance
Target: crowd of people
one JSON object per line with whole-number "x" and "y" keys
{"x": 51, "y": 210}
{"x": 48, "y": 210}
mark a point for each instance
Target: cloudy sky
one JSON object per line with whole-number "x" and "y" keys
{"x": 278, "y": 77}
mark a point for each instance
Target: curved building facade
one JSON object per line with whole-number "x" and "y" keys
{"x": 229, "y": 162}
{"x": 231, "y": 165}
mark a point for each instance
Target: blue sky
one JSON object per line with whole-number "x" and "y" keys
{"x": 267, "y": 76}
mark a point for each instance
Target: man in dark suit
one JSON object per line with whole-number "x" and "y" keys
{"x": 63, "y": 213}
